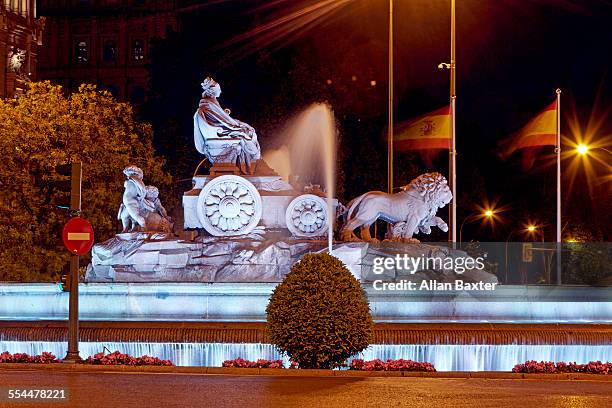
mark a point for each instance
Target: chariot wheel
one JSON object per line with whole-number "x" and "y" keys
{"x": 307, "y": 216}
{"x": 228, "y": 206}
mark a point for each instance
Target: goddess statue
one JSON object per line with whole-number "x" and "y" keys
{"x": 220, "y": 137}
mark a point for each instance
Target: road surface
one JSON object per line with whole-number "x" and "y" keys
{"x": 113, "y": 389}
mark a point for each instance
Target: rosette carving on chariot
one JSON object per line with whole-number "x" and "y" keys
{"x": 229, "y": 206}
{"x": 307, "y": 216}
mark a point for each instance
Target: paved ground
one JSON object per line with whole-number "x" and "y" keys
{"x": 167, "y": 390}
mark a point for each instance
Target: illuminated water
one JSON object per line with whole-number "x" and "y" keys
{"x": 247, "y": 302}
{"x": 445, "y": 357}
{"x": 309, "y": 152}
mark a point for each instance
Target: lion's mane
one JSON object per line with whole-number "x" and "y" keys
{"x": 429, "y": 186}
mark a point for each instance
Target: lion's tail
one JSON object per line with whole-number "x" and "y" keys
{"x": 353, "y": 206}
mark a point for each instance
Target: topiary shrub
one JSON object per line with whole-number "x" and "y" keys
{"x": 319, "y": 314}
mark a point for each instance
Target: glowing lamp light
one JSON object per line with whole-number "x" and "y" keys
{"x": 488, "y": 213}
{"x": 531, "y": 228}
{"x": 582, "y": 149}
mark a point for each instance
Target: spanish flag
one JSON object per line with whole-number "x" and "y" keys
{"x": 539, "y": 131}
{"x": 430, "y": 131}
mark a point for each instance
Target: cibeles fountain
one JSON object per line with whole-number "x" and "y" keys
{"x": 248, "y": 218}
{"x": 251, "y": 224}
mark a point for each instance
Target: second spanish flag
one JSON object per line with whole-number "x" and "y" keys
{"x": 430, "y": 131}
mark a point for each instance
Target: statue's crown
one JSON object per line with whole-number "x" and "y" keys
{"x": 208, "y": 83}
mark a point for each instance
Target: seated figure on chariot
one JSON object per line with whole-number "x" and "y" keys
{"x": 221, "y": 138}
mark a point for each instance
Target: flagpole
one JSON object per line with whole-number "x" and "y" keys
{"x": 390, "y": 117}
{"x": 558, "y": 152}
{"x": 452, "y": 154}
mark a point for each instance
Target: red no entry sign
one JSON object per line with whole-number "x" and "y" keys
{"x": 78, "y": 236}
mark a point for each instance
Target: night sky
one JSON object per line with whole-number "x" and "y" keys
{"x": 511, "y": 56}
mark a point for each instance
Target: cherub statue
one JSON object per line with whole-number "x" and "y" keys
{"x": 152, "y": 199}
{"x": 133, "y": 196}
{"x": 141, "y": 208}
{"x": 155, "y": 214}
{"x": 221, "y": 137}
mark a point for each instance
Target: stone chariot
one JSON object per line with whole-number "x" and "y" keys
{"x": 242, "y": 193}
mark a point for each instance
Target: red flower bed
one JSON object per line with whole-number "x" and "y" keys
{"x": 44, "y": 358}
{"x": 391, "y": 365}
{"x": 261, "y": 363}
{"x": 548, "y": 367}
{"x": 117, "y": 358}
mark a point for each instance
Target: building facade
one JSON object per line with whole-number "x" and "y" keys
{"x": 20, "y": 36}
{"x": 106, "y": 42}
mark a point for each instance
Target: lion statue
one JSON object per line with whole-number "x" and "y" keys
{"x": 411, "y": 210}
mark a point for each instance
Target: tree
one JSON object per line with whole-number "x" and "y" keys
{"x": 44, "y": 128}
{"x": 319, "y": 315}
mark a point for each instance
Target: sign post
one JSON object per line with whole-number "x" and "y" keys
{"x": 78, "y": 238}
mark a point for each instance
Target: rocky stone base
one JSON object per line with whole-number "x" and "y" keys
{"x": 163, "y": 258}
{"x": 259, "y": 257}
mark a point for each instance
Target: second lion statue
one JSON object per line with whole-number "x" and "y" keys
{"x": 412, "y": 210}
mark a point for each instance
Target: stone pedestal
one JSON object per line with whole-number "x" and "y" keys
{"x": 151, "y": 258}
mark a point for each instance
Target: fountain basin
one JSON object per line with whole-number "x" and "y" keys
{"x": 247, "y": 302}
{"x": 444, "y": 357}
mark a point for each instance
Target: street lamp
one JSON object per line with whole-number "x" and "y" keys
{"x": 531, "y": 229}
{"x": 486, "y": 214}
{"x": 534, "y": 230}
{"x": 583, "y": 149}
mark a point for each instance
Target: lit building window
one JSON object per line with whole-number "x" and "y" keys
{"x": 81, "y": 52}
{"x": 138, "y": 50}
{"x": 109, "y": 52}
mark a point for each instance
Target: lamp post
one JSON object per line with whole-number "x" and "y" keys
{"x": 452, "y": 171}
{"x": 390, "y": 107}
{"x": 452, "y": 153}
{"x": 487, "y": 214}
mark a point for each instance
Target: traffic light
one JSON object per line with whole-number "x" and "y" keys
{"x": 64, "y": 283}
{"x": 69, "y": 182}
{"x": 527, "y": 252}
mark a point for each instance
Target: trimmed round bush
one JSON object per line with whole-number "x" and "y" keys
{"x": 319, "y": 314}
